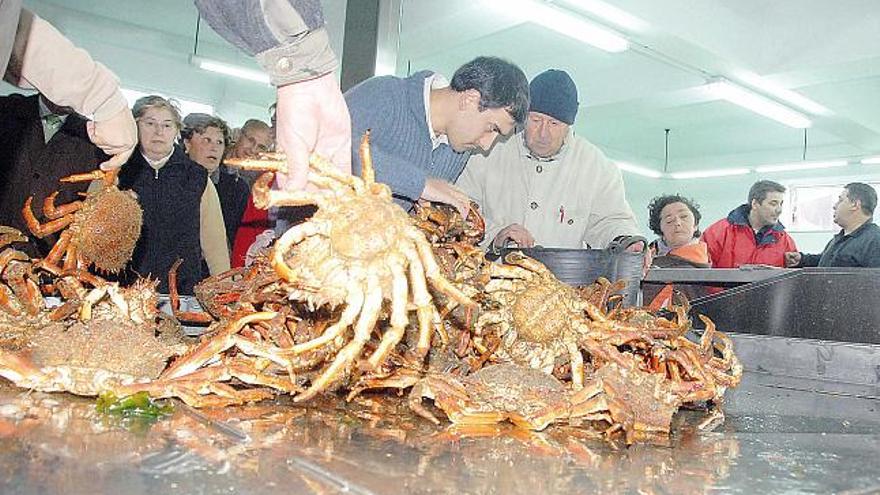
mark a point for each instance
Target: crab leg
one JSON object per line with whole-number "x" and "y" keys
{"x": 422, "y": 299}
{"x": 50, "y": 262}
{"x": 212, "y": 345}
{"x": 293, "y": 236}
{"x": 432, "y": 271}
{"x": 8, "y": 302}
{"x": 107, "y": 177}
{"x": 70, "y": 258}
{"x": 362, "y": 330}
{"x": 399, "y": 320}
{"x": 52, "y": 212}
{"x": 174, "y": 299}
{"x": 355, "y": 302}
{"x": 26, "y": 290}
{"x": 42, "y": 230}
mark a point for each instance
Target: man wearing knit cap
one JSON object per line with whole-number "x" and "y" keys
{"x": 545, "y": 186}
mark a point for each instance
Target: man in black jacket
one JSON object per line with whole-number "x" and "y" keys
{"x": 39, "y": 144}
{"x": 858, "y": 242}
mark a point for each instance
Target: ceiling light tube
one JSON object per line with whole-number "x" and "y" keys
{"x": 609, "y": 13}
{"x": 871, "y": 160}
{"x": 639, "y": 170}
{"x": 722, "y": 88}
{"x": 702, "y": 174}
{"x": 798, "y": 166}
{"x": 229, "y": 69}
{"x": 783, "y": 94}
{"x": 568, "y": 24}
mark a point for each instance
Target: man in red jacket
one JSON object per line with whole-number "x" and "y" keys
{"x": 751, "y": 234}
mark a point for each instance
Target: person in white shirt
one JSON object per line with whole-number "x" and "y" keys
{"x": 546, "y": 186}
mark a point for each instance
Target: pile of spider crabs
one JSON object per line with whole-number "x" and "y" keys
{"x": 363, "y": 299}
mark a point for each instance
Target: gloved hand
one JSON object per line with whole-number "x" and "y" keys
{"x": 312, "y": 117}
{"x": 116, "y": 136}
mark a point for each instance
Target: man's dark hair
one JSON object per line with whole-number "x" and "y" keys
{"x": 760, "y": 189}
{"x": 199, "y": 122}
{"x": 501, "y": 85}
{"x": 863, "y": 193}
{"x": 655, "y": 207}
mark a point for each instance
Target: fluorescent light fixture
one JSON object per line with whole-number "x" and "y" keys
{"x": 185, "y": 106}
{"x": 702, "y": 174}
{"x": 783, "y": 94}
{"x": 568, "y": 24}
{"x": 609, "y": 13}
{"x": 871, "y": 160}
{"x": 229, "y": 69}
{"x": 798, "y": 166}
{"x": 723, "y": 88}
{"x": 638, "y": 170}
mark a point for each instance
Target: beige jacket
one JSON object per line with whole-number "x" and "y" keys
{"x": 38, "y": 53}
{"x": 213, "y": 231}
{"x": 573, "y": 200}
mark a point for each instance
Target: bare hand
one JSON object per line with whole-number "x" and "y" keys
{"x": 440, "y": 191}
{"x": 312, "y": 117}
{"x": 792, "y": 258}
{"x": 516, "y": 233}
{"x": 637, "y": 247}
{"x": 116, "y": 136}
{"x": 646, "y": 261}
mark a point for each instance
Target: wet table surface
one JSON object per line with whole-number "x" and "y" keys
{"x": 781, "y": 435}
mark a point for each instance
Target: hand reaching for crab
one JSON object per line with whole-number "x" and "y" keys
{"x": 514, "y": 233}
{"x": 640, "y": 247}
{"x": 440, "y": 191}
{"x": 116, "y": 136}
{"x": 312, "y": 118}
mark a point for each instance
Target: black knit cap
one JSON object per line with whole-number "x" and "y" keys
{"x": 553, "y": 93}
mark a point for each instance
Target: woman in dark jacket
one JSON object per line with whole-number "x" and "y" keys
{"x": 181, "y": 210}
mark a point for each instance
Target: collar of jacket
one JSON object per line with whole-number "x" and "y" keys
{"x": 74, "y": 124}
{"x": 768, "y": 234}
{"x": 855, "y": 233}
{"x": 527, "y": 154}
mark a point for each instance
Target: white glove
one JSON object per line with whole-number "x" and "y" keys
{"x": 116, "y": 136}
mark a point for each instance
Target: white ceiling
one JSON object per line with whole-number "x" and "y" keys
{"x": 827, "y": 51}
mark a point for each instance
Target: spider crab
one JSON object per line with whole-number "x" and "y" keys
{"x": 536, "y": 321}
{"x": 19, "y": 290}
{"x": 359, "y": 251}
{"x": 119, "y": 343}
{"x": 101, "y": 230}
{"x": 617, "y": 397}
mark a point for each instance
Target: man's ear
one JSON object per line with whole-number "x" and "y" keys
{"x": 469, "y": 99}
{"x": 857, "y": 204}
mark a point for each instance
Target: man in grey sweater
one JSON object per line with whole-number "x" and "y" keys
{"x": 423, "y": 128}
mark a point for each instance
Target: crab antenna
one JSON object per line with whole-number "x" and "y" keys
{"x": 264, "y": 162}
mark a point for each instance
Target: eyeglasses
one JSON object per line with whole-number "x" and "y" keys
{"x": 155, "y": 125}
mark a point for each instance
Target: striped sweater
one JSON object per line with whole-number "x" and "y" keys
{"x": 393, "y": 109}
